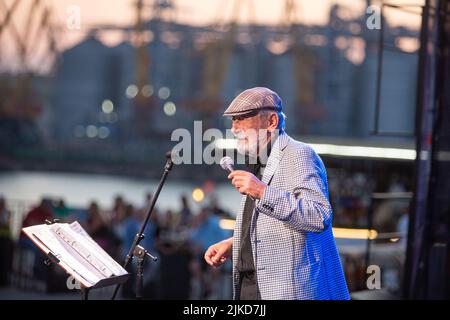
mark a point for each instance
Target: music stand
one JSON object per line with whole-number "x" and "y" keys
{"x": 84, "y": 251}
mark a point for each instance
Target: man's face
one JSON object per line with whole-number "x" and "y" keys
{"x": 251, "y": 133}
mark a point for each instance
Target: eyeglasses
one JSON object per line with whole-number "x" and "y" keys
{"x": 245, "y": 116}
{"x": 252, "y": 113}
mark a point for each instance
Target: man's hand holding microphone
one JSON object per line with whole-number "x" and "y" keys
{"x": 245, "y": 182}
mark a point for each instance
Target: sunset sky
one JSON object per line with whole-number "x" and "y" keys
{"x": 205, "y": 12}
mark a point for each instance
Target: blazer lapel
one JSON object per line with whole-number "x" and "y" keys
{"x": 275, "y": 157}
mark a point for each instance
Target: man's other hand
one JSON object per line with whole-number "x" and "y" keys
{"x": 218, "y": 253}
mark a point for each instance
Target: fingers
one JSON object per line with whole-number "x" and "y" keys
{"x": 216, "y": 256}
{"x": 241, "y": 184}
{"x": 238, "y": 173}
{"x": 233, "y": 174}
{"x": 238, "y": 183}
{"x": 220, "y": 254}
{"x": 208, "y": 255}
{"x": 242, "y": 188}
{"x": 239, "y": 177}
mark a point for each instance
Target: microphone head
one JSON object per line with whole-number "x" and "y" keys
{"x": 227, "y": 163}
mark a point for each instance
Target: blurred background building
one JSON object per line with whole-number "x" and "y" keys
{"x": 88, "y": 106}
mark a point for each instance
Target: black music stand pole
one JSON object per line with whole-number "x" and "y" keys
{"x": 133, "y": 252}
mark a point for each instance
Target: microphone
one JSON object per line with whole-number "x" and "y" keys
{"x": 228, "y": 164}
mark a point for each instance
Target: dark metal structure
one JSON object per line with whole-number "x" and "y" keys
{"x": 427, "y": 274}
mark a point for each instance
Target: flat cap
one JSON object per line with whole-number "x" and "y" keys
{"x": 254, "y": 99}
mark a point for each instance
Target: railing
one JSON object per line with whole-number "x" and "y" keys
{"x": 18, "y": 210}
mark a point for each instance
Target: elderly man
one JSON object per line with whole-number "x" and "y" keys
{"x": 283, "y": 245}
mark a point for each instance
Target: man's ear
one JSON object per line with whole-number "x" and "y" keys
{"x": 273, "y": 122}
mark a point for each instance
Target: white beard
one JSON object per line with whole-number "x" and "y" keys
{"x": 250, "y": 146}
{"x": 250, "y": 149}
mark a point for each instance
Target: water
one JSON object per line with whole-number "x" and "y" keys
{"x": 78, "y": 190}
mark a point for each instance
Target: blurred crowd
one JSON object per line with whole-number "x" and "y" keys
{"x": 351, "y": 200}
{"x": 177, "y": 238}
{"x": 180, "y": 237}
{"x": 351, "y": 196}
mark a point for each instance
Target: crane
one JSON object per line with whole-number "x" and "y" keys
{"x": 18, "y": 95}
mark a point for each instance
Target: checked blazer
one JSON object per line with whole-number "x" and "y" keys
{"x": 291, "y": 235}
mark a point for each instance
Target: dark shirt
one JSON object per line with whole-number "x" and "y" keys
{"x": 245, "y": 262}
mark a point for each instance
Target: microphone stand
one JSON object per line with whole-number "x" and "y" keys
{"x": 136, "y": 250}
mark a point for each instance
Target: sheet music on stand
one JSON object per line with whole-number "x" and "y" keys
{"x": 70, "y": 246}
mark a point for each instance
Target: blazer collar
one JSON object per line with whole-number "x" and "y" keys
{"x": 275, "y": 157}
